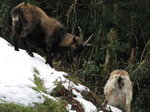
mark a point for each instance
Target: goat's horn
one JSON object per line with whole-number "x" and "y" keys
{"x": 80, "y": 34}
{"x": 85, "y": 43}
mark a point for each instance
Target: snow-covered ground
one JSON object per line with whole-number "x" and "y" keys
{"x": 17, "y": 70}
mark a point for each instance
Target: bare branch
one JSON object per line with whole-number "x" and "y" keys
{"x": 85, "y": 43}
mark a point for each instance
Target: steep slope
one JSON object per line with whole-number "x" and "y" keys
{"x": 26, "y": 80}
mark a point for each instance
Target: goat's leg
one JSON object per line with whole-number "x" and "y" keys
{"x": 49, "y": 48}
{"x": 108, "y": 93}
{"x": 15, "y": 36}
{"x": 127, "y": 107}
{"x": 49, "y": 57}
{"x": 49, "y": 60}
{"x": 15, "y": 42}
{"x": 28, "y": 49}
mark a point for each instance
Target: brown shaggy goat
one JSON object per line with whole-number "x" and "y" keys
{"x": 118, "y": 90}
{"x": 36, "y": 30}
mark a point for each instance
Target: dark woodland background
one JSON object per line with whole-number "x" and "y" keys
{"x": 121, "y": 30}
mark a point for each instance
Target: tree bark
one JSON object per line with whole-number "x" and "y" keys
{"x": 111, "y": 56}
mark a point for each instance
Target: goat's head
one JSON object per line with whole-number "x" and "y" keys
{"x": 78, "y": 44}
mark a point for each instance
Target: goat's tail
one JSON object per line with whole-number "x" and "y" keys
{"x": 17, "y": 12}
{"x": 120, "y": 82}
{"x": 17, "y": 20}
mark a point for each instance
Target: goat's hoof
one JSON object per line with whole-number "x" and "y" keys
{"x": 31, "y": 55}
{"x": 16, "y": 49}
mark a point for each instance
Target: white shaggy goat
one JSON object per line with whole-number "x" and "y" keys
{"x": 118, "y": 90}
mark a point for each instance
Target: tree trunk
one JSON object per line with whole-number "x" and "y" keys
{"x": 111, "y": 56}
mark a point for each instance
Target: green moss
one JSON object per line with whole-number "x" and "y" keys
{"x": 38, "y": 82}
{"x": 36, "y": 71}
{"x": 9, "y": 107}
{"x": 48, "y": 106}
{"x": 36, "y": 89}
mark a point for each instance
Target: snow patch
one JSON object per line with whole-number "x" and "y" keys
{"x": 17, "y": 79}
